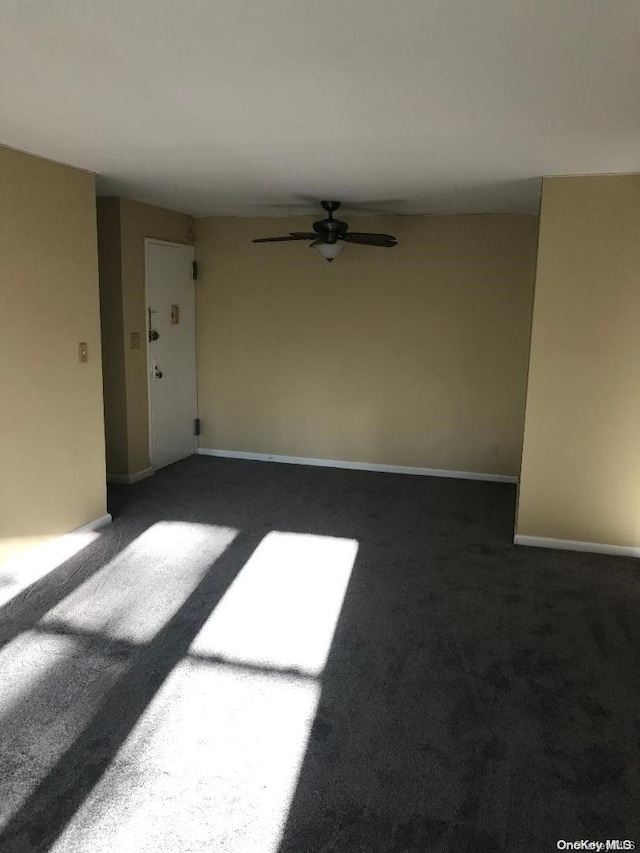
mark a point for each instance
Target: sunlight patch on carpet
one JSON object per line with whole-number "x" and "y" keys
{"x": 282, "y": 609}
{"x": 26, "y": 568}
{"x": 134, "y": 596}
{"x": 214, "y": 762}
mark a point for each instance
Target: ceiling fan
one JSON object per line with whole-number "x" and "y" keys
{"x": 330, "y": 235}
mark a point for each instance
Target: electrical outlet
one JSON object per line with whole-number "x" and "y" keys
{"x": 83, "y": 353}
{"x": 135, "y": 340}
{"x": 495, "y": 449}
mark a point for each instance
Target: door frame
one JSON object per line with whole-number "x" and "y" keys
{"x": 147, "y": 242}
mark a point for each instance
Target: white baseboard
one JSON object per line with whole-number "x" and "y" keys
{"x": 358, "y": 466}
{"x": 96, "y": 524}
{"x": 129, "y": 479}
{"x": 573, "y": 545}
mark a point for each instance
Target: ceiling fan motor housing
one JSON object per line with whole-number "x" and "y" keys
{"x": 330, "y": 229}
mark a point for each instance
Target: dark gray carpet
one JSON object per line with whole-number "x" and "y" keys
{"x": 165, "y": 689}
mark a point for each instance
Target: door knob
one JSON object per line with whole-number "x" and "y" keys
{"x": 158, "y": 374}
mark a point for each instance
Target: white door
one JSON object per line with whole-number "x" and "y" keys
{"x": 171, "y": 315}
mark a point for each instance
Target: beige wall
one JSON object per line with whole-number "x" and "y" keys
{"x": 126, "y": 398}
{"x": 581, "y": 459}
{"x": 113, "y": 350}
{"x": 52, "y": 467}
{"x": 411, "y": 356}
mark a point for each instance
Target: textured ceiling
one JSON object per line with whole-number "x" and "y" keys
{"x": 257, "y": 108}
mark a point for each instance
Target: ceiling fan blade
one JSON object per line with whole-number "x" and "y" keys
{"x": 371, "y": 234}
{"x": 304, "y": 235}
{"x": 369, "y": 239}
{"x": 284, "y": 239}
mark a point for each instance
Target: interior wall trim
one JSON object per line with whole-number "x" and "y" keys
{"x": 96, "y": 524}
{"x": 129, "y": 479}
{"x": 574, "y": 545}
{"x": 358, "y": 466}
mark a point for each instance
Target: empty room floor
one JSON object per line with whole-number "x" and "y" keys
{"x": 284, "y": 659}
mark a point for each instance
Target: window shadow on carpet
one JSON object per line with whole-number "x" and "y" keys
{"x": 476, "y": 697}
{"x": 32, "y": 603}
{"x": 44, "y": 815}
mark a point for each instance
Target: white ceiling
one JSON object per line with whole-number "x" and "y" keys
{"x": 254, "y": 107}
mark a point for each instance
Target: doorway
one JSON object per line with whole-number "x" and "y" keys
{"x": 171, "y": 351}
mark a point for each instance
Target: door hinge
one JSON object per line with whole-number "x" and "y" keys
{"x": 194, "y": 270}
{"x": 196, "y": 426}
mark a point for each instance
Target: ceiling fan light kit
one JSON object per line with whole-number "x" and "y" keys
{"x": 329, "y": 251}
{"x": 329, "y": 235}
